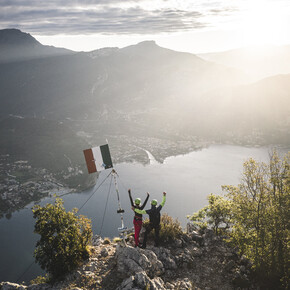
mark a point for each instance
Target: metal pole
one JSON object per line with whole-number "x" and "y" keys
{"x": 120, "y": 210}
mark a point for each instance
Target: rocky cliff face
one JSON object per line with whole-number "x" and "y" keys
{"x": 195, "y": 261}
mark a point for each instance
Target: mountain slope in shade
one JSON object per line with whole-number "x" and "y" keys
{"x": 130, "y": 81}
{"x": 145, "y": 90}
{"x": 258, "y": 63}
{"x": 16, "y": 45}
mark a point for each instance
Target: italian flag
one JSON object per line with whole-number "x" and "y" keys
{"x": 98, "y": 158}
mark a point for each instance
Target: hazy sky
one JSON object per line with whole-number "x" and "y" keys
{"x": 184, "y": 25}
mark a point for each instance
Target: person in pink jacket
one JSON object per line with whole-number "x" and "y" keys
{"x": 137, "y": 221}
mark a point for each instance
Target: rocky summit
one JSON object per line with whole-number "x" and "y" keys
{"x": 197, "y": 260}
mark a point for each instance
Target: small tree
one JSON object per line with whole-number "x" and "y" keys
{"x": 215, "y": 215}
{"x": 64, "y": 238}
{"x": 199, "y": 218}
{"x": 260, "y": 210}
{"x": 256, "y": 212}
{"x": 219, "y": 213}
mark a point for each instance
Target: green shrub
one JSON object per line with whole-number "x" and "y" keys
{"x": 40, "y": 280}
{"x": 107, "y": 241}
{"x": 64, "y": 238}
{"x": 117, "y": 240}
{"x": 170, "y": 229}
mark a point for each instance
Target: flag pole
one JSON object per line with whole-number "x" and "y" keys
{"x": 122, "y": 230}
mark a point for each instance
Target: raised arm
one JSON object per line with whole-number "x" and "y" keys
{"x": 163, "y": 199}
{"x": 143, "y": 205}
{"x": 129, "y": 191}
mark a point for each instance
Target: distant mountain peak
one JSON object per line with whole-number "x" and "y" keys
{"x": 16, "y": 45}
{"x": 13, "y": 36}
{"x": 148, "y": 43}
{"x": 147, "y": 46}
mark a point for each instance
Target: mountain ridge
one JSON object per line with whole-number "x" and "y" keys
{"x": 13, "y": 36}
{"x": 135, "y": 86}
{"x": 132, "y": 69}
{"x": 16, "y": 45}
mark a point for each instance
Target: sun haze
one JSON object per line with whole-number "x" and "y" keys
{"x": 193, "y": 26}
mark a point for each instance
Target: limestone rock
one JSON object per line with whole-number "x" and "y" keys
{"x": 190, "y": 227}
{"x": 165, "y": 257}
{"x": 195, "y": 236}
{"x": 104, "y": 252}
{"x": 178, "y": 243}
{"x": 156, "y": 267}
{"x": 97, "y": 240}
{"x": 127, "y": 284}
{"x": 142, "y": 281}
{"x": 130, "y": 260}
{"x": 9, "y": 286}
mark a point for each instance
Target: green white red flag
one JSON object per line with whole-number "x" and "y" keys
{"x": 98, "y": 158}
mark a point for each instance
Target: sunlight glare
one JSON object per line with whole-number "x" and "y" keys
{"x": 263, "y": 23}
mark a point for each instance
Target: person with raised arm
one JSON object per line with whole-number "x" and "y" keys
{"x": 137, "y": 221}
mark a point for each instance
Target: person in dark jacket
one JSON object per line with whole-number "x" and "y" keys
{"x": 138, "y": 217}
{"x": 154, "y": 219}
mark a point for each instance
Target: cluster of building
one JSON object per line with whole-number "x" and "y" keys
{"x": 21, "y": 184}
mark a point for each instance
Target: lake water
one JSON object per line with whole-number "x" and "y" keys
{"x": 187, "y": 179}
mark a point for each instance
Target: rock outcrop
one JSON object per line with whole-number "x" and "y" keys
{"x": 197, "y": 260}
